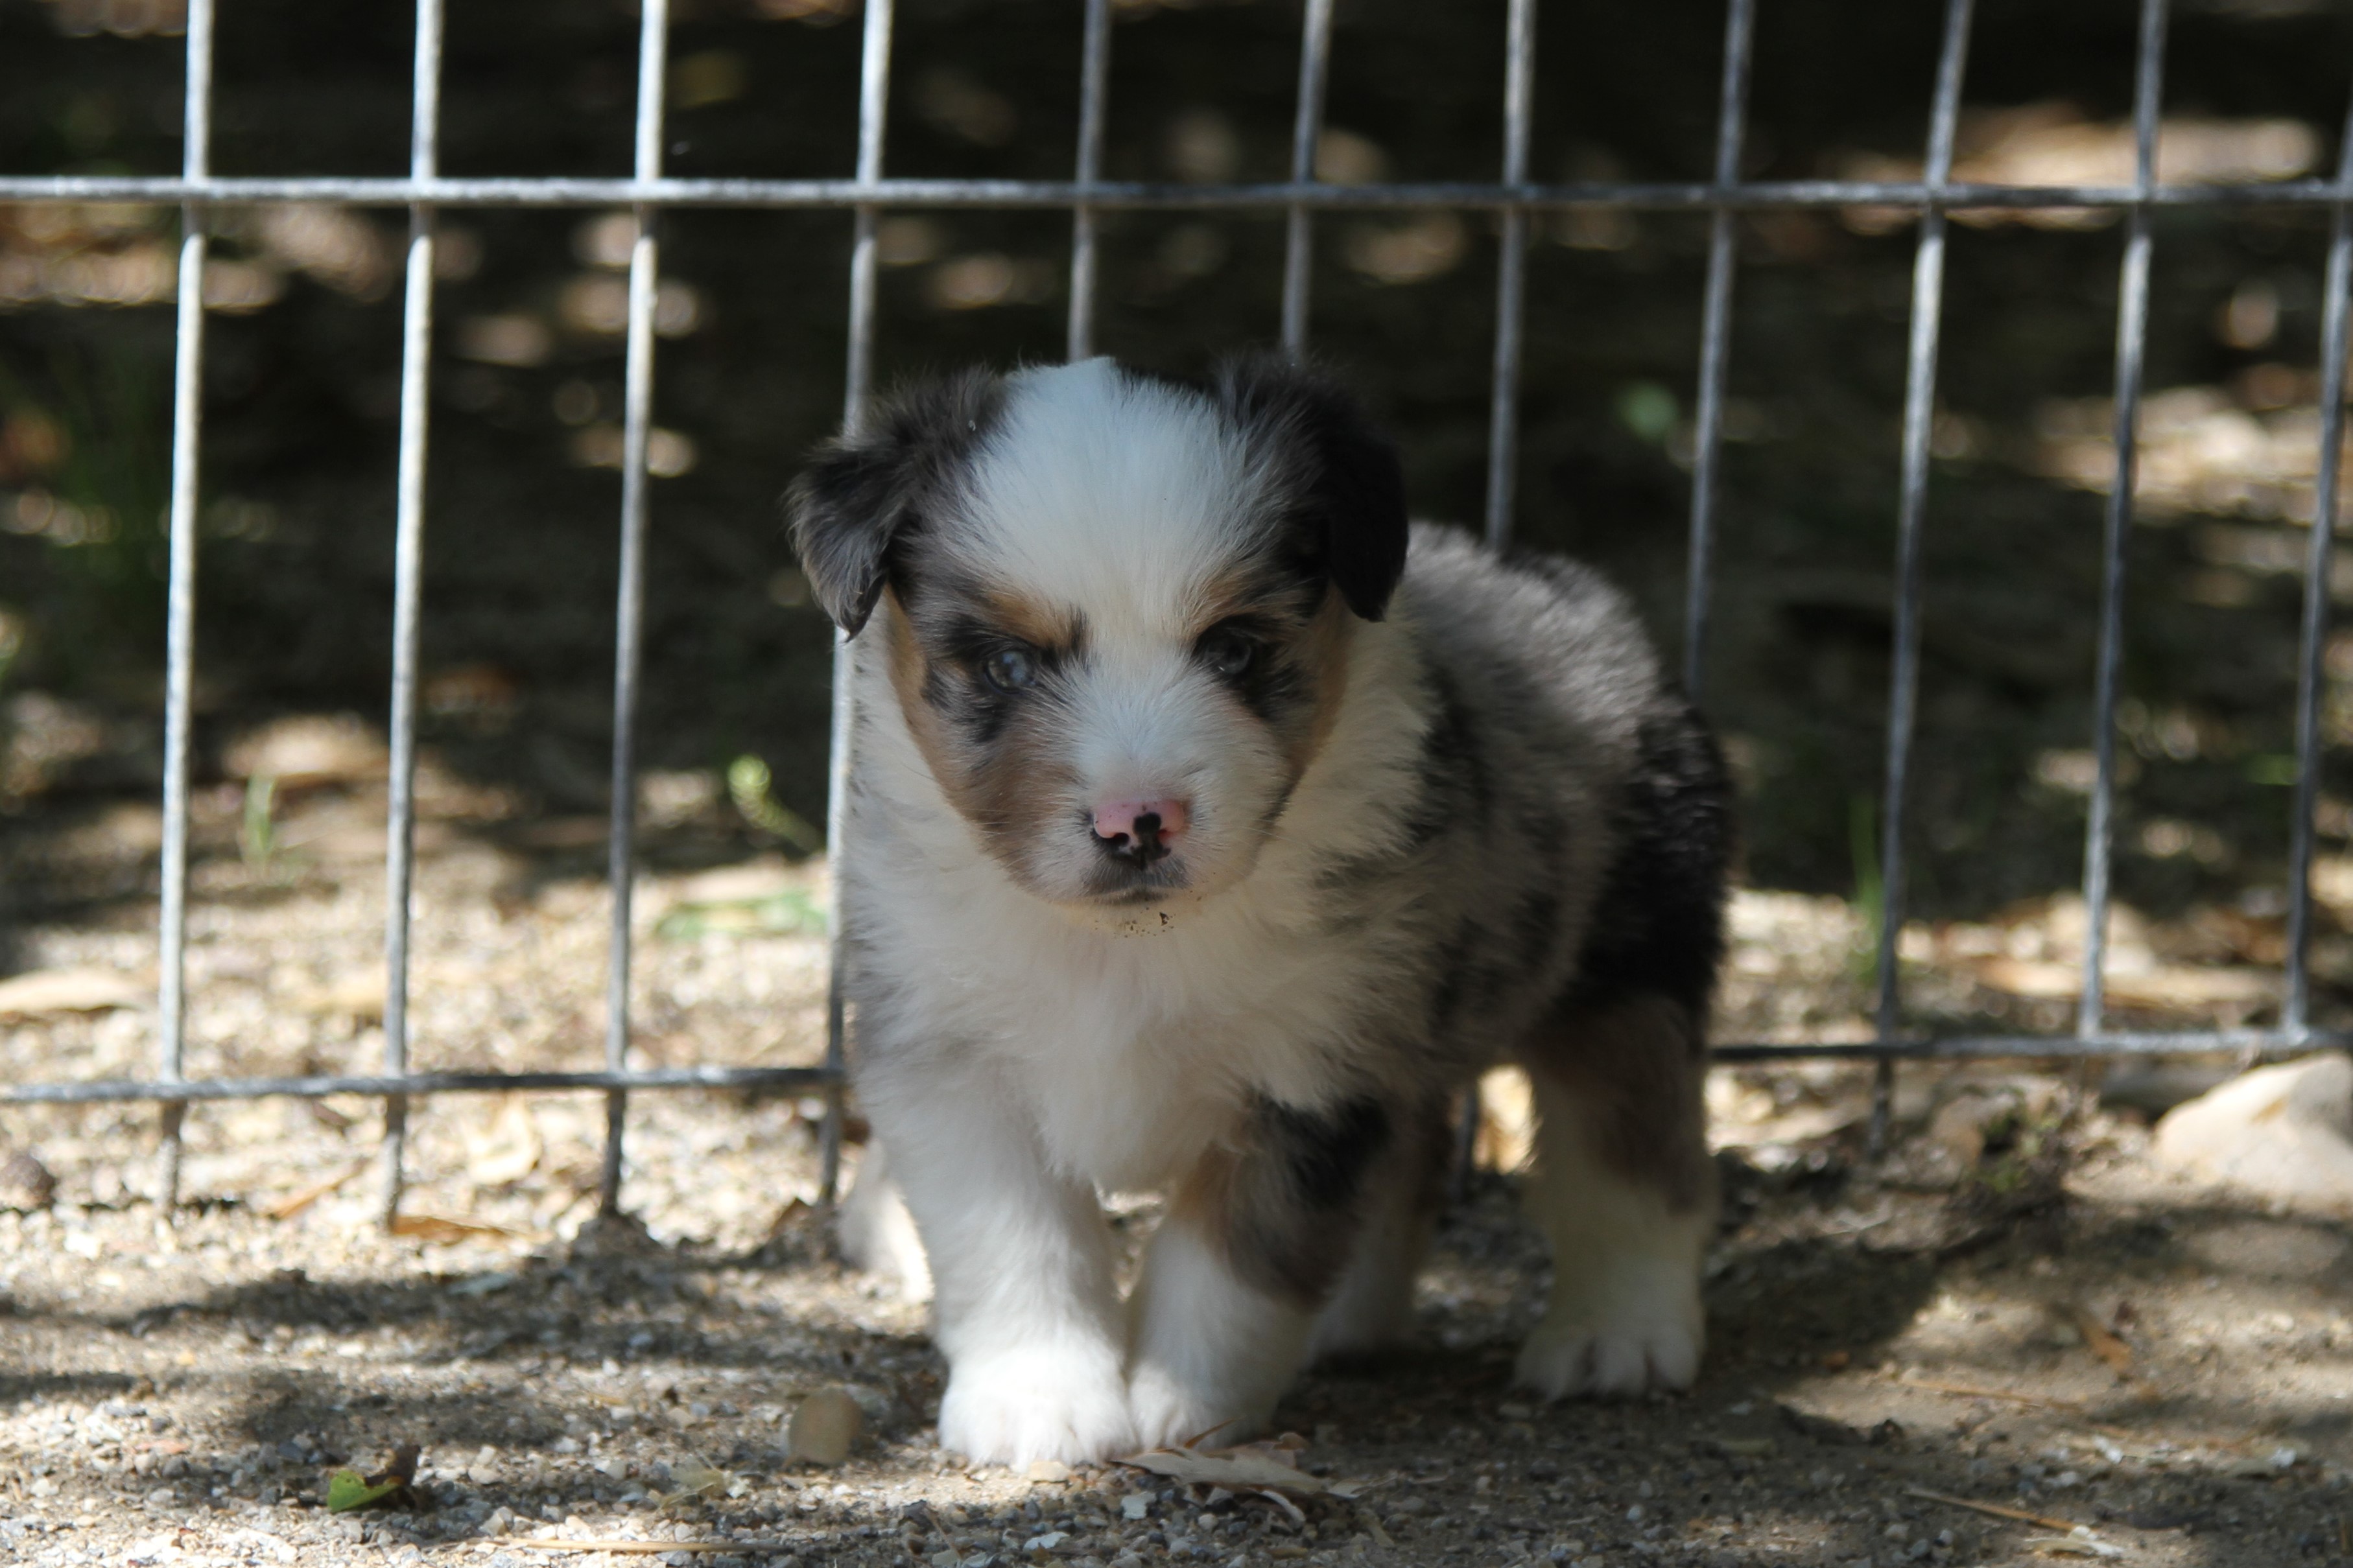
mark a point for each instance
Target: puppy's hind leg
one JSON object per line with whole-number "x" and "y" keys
{"x": 1625, "y": 1192}
{"x": 1371, "y": 1307}
{"x": 875, "y": 1232}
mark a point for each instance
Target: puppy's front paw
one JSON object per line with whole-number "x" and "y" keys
{"x": 1168, "y": 1411}
{"x": 1060, "y": 1401}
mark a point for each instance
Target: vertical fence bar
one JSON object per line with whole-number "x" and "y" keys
{"x": 1504, "y": 391}
{"x": 1094, "y": 85}
{"x": 1510, "y": 273}
{"x": 1716, "y": 340}
{"x": 2296, "y": 1009}
{"x": 1919, "y": 421}
{"x": 408, "y": 587}
{"x": 629, "y": 618}
{"x": 2132, "y": 339}
{"x": 873, "y": 109}
{"x": 1306, "y": 130}
{"x": 180, "y": 616}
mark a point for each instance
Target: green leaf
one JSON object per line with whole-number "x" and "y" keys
{"x": 791, "y": 912}
{"x": 348, "y": 1490}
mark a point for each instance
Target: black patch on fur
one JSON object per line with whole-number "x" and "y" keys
{"x": 1346, "y": 488}
{"x": 959, "y": 643}
{"x": 1453, "y": 763}
{"x": 863, "y": 491}
{"x": 1452, "y": 967}
{"x": 1658, "y": 925}
{"x": 1293, "y": 1199}
{"x": 1535, "y": 922}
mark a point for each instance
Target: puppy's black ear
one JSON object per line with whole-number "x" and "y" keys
{"x": 1349, "y": 491}
{"x": 863, "y": 493}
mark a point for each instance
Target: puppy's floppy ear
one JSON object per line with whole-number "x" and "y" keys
{"x": 864, "y": 490}
{"x": 1348, "y": 489}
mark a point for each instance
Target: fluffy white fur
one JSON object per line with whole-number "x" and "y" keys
{"x": 1162, "y": 1019}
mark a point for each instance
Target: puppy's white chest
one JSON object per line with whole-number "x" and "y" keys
{"x": 1133, "y": 1055}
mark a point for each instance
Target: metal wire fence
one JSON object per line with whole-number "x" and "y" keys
{"x": 647, "y": 193}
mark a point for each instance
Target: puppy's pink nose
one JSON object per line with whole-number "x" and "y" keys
{"x": 1140, "y": 830}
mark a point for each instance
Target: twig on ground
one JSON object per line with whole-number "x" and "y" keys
{"x": 295, "y": 1202}
{"x": 1996, "y": 1510}
{"x": 1971, "y": 1390}
{"x": 633, "y": 1548}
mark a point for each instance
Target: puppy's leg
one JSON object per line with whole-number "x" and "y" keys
{"x": 1625, "y": 1192}
{"x": 875, "y": 1232}
{"x": 1372, "y": 1307}
{"x": 1023, "y": 1302}
{"x": 1252, "y": 1245}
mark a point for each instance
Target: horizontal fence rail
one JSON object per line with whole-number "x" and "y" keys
{"x": 561, "y": 191}
{"x": 647, "y": 193}
{"x": 400, "y": 1085}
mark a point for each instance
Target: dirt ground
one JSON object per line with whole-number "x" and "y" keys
{"x": 2011, "y": 1310}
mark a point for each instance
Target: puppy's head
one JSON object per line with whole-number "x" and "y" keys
{"x": 1119, "y": 607}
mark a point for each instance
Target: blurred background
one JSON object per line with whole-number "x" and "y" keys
{"x": 300, "y": 408}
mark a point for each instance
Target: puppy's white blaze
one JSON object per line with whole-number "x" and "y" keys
{"x": 1110, "y": 493}
{"x": 1150, "y": 726}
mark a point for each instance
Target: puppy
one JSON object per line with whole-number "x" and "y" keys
{"x": 1211, "y": 828}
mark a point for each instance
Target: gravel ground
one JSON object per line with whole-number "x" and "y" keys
{"x": 2011, "y": 1308}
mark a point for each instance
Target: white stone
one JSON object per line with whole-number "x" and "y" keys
{"x": 2283, "y": 1134}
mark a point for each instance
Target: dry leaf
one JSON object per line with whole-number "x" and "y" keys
{"x": 2100, "y": 1341}
{"x": 436, "y": 1227}
{"x": 2167, "y": 987}
{"x": 1260, "y": 1467}
{"x": 357, "y": 996}
{"x": 67, "y": 991}
{"x": 309, "y": 749}
{"x": 690, "y": 1478}
{"x": 507, "y": 1149}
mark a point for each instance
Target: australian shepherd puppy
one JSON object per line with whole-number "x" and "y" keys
{"x": 1212, "y": 830}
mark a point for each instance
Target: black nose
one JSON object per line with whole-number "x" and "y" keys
{"x": 1139, "y": 848}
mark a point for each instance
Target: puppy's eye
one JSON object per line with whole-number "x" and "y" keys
{"x": 1228, "y": 653}
{"x": 1010, "y": 669}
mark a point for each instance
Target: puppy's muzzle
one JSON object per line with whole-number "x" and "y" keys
{"x": 1140, "y": 833}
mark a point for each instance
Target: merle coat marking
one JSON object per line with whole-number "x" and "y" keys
{"x": 1430, "y": 808}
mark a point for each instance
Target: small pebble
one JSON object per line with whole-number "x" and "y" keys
{"x": 25, "y": 1184}
{"x": 824, "y": 1427}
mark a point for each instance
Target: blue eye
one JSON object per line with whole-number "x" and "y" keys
{"x": 1010, "y": 669}
{"x": 1228, "y": 653}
